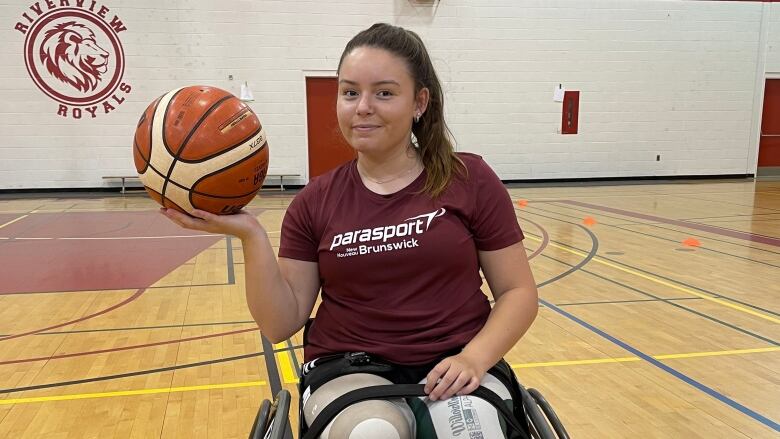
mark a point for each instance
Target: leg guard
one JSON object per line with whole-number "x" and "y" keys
{"x": 463, "y": 416}
{"x": 375, "y": 419}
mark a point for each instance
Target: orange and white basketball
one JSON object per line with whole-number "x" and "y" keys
{"x": 200, "y": 147}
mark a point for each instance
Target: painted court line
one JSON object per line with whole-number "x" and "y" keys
{"x": 14, "y": 220}
{"x": 677, "y": 374}
{"x": 768, "y": 240}
{"x": 657, "y": 357}
{"x": 671, "y": 302}
{"x": 124, "y": 348}
{"x": 290, "y": 376}
{"x": 667, "y": 284}
{"x": 131, "y": 298}
{"x": 130, "y": 392}
{"x": 285, "y": 363}
{"x": 270, "y": 364}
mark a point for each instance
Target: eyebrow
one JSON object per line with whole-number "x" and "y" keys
{"x": 386, "y": 81}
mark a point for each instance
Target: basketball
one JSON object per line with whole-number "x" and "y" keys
{"x": 200, "y": 147}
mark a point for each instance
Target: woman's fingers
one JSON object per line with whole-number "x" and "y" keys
{"x": 433, "y": 376}
{"x": 202, "y": 214}
{"x": 462, "y": 379}
{"x": 183, "y": 220}
{"x": 453, "y": 376}
{"x": 240, "y": 224}
{"x": 469, "y": 387}
{"x": 445, "y": 382}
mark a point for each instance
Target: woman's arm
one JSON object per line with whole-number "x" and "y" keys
{"x": 510, "y": 279}
{"x": 280, "y": 296}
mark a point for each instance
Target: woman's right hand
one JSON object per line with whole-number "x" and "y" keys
{"x": 241, "y": 225}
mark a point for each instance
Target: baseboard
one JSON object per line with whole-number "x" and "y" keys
{"x": 648, "y": 179}
{"x": 295, "y": 187}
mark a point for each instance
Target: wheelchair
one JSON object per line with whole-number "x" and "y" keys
{"x": 272, "y": 420}
{"x": 538, "y": 420}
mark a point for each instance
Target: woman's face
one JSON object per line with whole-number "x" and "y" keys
{"x": 376, "y": 102}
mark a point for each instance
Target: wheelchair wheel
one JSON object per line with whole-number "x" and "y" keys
{"x": 549, "y": 414}
{"x": 540, "y": 428}
{"x": 261, "y": 420}
{"x": 273, "y": 419}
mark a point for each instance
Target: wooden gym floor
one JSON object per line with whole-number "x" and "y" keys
{"x": 660, "y": 315}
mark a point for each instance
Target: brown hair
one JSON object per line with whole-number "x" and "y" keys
{"x": 434, "y": 138}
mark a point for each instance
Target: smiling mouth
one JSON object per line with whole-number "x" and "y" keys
{"x": 365, "y": 127}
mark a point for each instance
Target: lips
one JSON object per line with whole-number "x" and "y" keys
{"x": 364, "y": 128}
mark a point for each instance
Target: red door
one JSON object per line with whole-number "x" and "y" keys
{"x": 769, "y": 148}
{"x": 327, "y": 147}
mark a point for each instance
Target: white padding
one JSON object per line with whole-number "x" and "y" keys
{"x": 468, "y": 416}
{"x": 374, "y": 429}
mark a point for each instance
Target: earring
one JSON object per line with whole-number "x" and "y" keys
{"x": 416, "y": 117}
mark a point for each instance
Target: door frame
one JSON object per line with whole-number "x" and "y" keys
{"x": 323, "y": 73}
{"x": 754, "y": 140}
{"x": 769, "y": 76}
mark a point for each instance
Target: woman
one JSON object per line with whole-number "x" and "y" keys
{"x": 396, "y": 240}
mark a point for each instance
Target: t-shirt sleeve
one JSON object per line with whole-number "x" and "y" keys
{"x": 494, "y": 223}
{"x": 298, "y": 240}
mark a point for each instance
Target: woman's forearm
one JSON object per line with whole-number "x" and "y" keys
{"x": 512, "y": 315}
{"x": 268, "y": 295}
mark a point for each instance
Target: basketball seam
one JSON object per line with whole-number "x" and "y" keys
{"x": 183, "y": 146}
{"x": 164, "y": 139}
{"x": 150, "y": 166}
{"x": 189, "y": 189}
{"x": 151, "y": 140}
{"x": 204, "y": 193}
{"x": 192, "y": 190}
{"x": 172, "y": 202}
{"x": 147, "y": 162}
{"x": 241, "y": 142}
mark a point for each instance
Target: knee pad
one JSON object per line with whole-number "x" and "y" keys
{"x": 464, "y": 416}
{"x": 373, "y": 419}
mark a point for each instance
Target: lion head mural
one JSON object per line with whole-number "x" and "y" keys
{"x": 72, "y": 55}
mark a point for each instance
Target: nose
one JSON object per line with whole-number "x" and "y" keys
{"x": 365, "y": 106}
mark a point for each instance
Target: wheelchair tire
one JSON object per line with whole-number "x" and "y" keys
{"x": 273, "y": 419}
{"x": 550, "y": 414}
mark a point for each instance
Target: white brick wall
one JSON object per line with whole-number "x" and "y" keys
{"x": 675, "y": 78}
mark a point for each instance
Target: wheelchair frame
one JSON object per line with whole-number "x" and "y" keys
{"x": 272, "y": 420}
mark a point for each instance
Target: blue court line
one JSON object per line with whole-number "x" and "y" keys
{"x": 231, "y": 277}
{"x": 679, "y": 375}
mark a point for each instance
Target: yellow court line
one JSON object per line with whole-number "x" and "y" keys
{"x": 717, "y": 353}
{"x": 285, "y": 364}
{"x": 13, "y": 221}
{"x": 130, "y": 392}
{"x": 665, "y": 283}
{"x": 574, "y": 362}
{"x": 294, "y": 379}
{"x": 657, "y": 357}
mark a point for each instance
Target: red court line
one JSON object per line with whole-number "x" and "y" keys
{"x": 125, "y": 348}
{"x": 545, "y": 239}
{"x": 768, "y": 240}
{"x": 110, "y": 308}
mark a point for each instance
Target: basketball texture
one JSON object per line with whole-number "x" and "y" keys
{"x": 200, "y": 147}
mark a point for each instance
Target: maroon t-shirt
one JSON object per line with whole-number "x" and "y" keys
{"x": 400, "y": 273}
